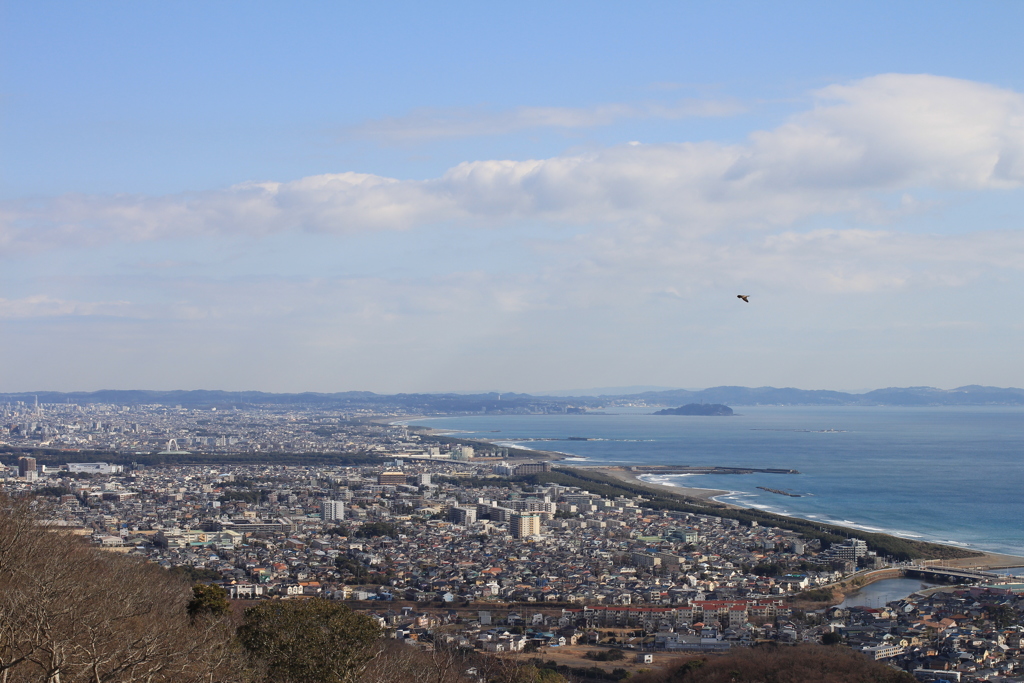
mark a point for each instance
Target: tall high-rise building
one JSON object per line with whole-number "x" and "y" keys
{"x": 851, "y": 549}
{"x": 532, "y": 468}
{"x": 464, "y": 515}
{"x": 463, "y": 453}
{"x": 27, "y": 468}
{"x": 392, "y": 478}
{"x": 525, "y": 524}
{"x": 333, "y": 511}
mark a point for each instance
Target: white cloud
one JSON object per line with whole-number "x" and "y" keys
{"x": 894, "y": 131}
{"x": 44, "y": 306}
{"x": 432, "y": 124}
{"x": 882, "y": 134}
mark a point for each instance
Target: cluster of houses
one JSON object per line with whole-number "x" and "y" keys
{"x": 968, "y": 634}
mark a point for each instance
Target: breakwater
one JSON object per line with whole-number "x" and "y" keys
{"x": 707, "y": 469}
{"x": 780, "y": 492}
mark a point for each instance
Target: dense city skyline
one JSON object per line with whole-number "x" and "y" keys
{"x": 408, "y": 199}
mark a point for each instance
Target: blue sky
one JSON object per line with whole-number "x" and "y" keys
{"x": 514, "y": 197}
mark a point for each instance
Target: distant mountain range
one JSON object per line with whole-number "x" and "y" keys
{"x": 512, "y": 402}
{"x": 894, "y": 396}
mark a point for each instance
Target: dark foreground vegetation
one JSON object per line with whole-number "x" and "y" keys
{"x": 883, "y": 544}
{"x": 780, "y": 664}
{"x": 71, "y": 613}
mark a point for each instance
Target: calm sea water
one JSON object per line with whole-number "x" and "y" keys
{"x": 953, "y": 475}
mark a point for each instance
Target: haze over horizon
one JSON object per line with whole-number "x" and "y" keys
{"x": 731, "y": 394}
{"x": 404, "y": 198}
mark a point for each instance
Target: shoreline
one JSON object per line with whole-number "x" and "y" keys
{"x": 629, "y": 477}
{"x": 984, "y": 560}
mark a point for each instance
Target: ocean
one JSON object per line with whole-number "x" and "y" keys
{"x": 946, "y": 474}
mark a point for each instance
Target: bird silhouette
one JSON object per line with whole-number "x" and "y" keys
{"x": 745, "y": 297}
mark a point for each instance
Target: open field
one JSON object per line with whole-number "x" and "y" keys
{"x": 574, "y": 656}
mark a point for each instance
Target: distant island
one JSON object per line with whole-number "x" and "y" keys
{"x": 697, "y": 409}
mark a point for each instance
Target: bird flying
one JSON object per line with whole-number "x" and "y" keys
{"x": 745, "y": 297}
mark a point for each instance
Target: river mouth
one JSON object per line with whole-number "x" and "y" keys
{"x": 877, "y": 594}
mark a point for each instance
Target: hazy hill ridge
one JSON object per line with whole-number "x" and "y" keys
{"x": 894, "y": 396}
{"x": 494, "y": 402}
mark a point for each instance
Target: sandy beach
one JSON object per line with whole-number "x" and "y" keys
{"x": 629, "y": 477}
{"x": 986, "y": 560}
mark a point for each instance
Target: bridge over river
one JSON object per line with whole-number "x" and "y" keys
{"x": 941, "y": 574}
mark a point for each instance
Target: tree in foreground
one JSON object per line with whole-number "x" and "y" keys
{"x": 69, "y": 612}
{"x": 308, "y": 641}
{"x": 208, "y": 600}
